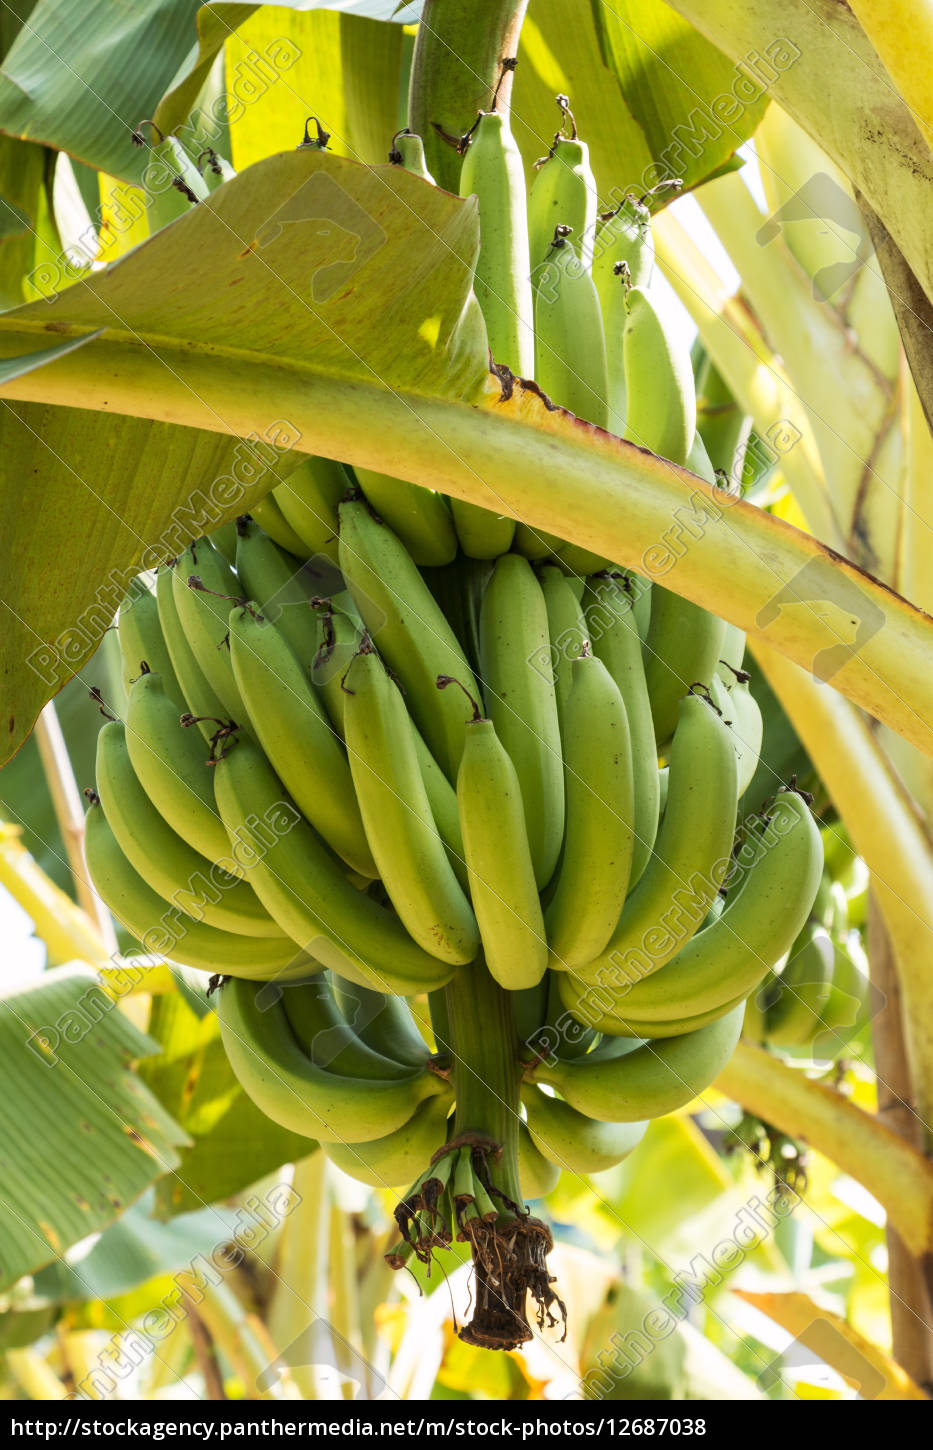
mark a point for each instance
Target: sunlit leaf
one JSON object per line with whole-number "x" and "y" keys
{"x": 81, "y": 1137}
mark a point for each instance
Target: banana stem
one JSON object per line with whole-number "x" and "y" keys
{"x": 487, "y": 1070}
{"x": 911, "y": 1334}
{"x": 455, "y": 72}
{"x": 892, "y": 1170}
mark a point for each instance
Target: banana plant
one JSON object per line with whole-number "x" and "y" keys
{"x": 250, "y": 310}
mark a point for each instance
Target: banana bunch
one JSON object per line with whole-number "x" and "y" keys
{"x": 379, "y": 743}
{"x": 821, "y": 997}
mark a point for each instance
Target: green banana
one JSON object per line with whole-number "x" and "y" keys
{"x": 199, "y": 697}
{"x": 217, "y": 171}
{"x": 167, "y": 930}
{"x": 482, "y": 533}
{"x": 623, "y": 258}
{"x": 204, "y": 612}
{"x": 691, "y": 857}
{"x": 563, "y": 194}
{"x": 224, "y": 540}
{"x": 721, "y": 423}
{"x": 338, "y": 639}
{"x": 171, "y": 181}
{"x": 493, "y": 171}
{"x": 660, "y": 409}
{"x": 650, "y": 1080}
{"x": 802, "y": 990}
{"x": 170, "y": 763}
{"x": 639, "y": 1031}
{"x": 327, "y": 1039}
{"x": 442, "y": 798}
{"x": 420, "y": 517}
{"x": 499, "y": 864}
{"x": 396, "y": 1159}
{"x": 612, "y": 630}
{"x": 593, "y": 875}
{"x": 623, "y": 236}
{"x": 534, "y": 543}
{"x": 384, "y": 1023}
{"x": 521, "y": 701}
{"x": 682, "y": 648}
{"x": 287, "y": 1086}
{"x": 289, "y": 721}
{"x": 844, "y": 1010}
{"x": 280, "y": 586}
{"x": 308, "y": 500}
{"x": 537, "y": 1175}
{"x": 762, "y": 918}
{"x": 170, "y": 865}
{"x": 741, "y": 712}
{"x": 304, "y": 889}
{"x": 566, "y": 629}
{"x": 268, "y": 515}
{"x": 396, "y": 813}
{"x": 408, "y": 627}
{"x": 574, "y": 1141}
{"x": 570, "y": 346}
{"x": 408, "y": 151}
{"x": 142, "y": 641}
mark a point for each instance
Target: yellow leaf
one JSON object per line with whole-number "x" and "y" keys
{"x": 862, "y": 1365}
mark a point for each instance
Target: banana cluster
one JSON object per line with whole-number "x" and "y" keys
{"x": 376, "y": 738}
{"x": 821, "y": 997}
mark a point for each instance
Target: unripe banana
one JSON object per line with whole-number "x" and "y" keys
{"x": 326, "y": 1038}
{"x": 648, "y": 1081}
{"x": 577, "y": 562}
{"x": 286, "y": 1085}
{"x": 574, "y": 1141}
{"x": 691, "y": 857}
{"x": 843, "y": 1013}
{"x": 200, "y": 698}
{"x": 289, "y": 721}
{"x": 802, "y": 990}
{"x": 420, "y": 517}
{"x": 535, "y": 543}
{"x": 482, "y": 534}
{"x": 397, "y": 1159}
{"x": 384, "y": 1023}
{"x": 408, "y": 151}
{"x": 308, "y": 499}
{"x": 409, "y": 629}
{"x": 216, "y": 170}
{"x": 170, "y": 865}
{"x": 563, "y": 194}
{"x": 164, "y": 929}
{"x": 570, "y": 346}
{"x": 170, "y": 763}
{"x": 442, "y": 798}
{"x": 536, "y": 1174}
{"x": 498, "y": 857}
{"x": 593, "y": 875}
{"x": 142, "y": 640}
{"x": 566, "y": 629}
{"x": 733, "y": 653}
{"x": 635, "y": 1029}
{"x": 268, "y": 515}
{"x": 612, "y": 629}
{"x": 660, "y": 395}
{"x": 682, "y": 648}
{"x": 623, "y": 235}
{"x": 304, "y": 889}
{"x": 280, "y": 586}
{"x": 338, "y": 639}
{"x": 741, "y": 712}
{"x": 522, "y": 703}
{"x": 171, "y": 181}
{"x": 721, "y": 423}
{"x": 204, "y": 613}
{"x": 529, "y": 1008}
{"x": 224, "y": 540}
{"x": 404, "y": 840}
{"x": 764, "y": 912}
{"x": 623, "y": 258}
{"x": 493, "y": 171}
